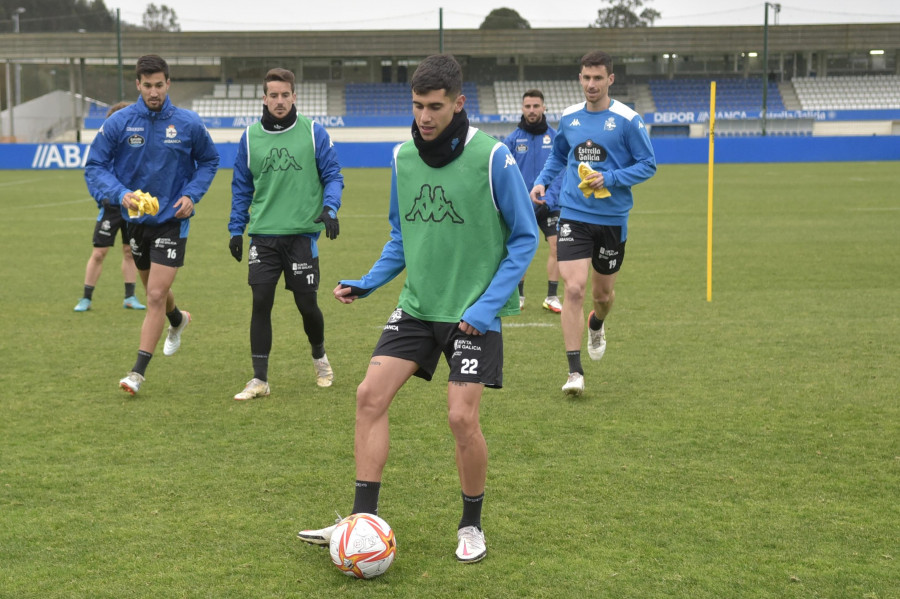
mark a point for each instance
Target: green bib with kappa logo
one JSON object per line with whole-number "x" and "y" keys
{"x": 287, "y": 195}
{"x": 453, "y": 235}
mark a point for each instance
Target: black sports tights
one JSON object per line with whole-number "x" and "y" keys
{"x": 261, "y": 320}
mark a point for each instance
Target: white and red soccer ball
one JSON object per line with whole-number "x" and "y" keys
{"x": 363, "y": 546}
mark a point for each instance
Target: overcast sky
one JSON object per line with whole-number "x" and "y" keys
{"x": 222, "y": 15}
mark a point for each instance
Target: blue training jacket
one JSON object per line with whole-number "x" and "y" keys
{"x": 168, "y": 154}
{"x": 530, "y": 152}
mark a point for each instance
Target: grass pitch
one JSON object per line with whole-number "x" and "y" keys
{"x": 744, "y": 447}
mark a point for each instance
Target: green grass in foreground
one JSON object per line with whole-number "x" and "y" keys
{"x": 744, "y": 447}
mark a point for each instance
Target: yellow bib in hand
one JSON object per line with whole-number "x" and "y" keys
{"x": 584, "y": 170}
{"x": 147, "y": 204}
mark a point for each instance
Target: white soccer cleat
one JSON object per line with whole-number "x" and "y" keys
{"x": 319, "y": 536}
{"x": 253, "y": 388}
{"x": 553, "y": 304}
{"x": 596, "y": 341}
{"x": 471, "y": 547}
{"x": 324, "y": 373}
{"x": 521, "y": 302}
{"x": 131, "y": 383}
{"x": 574, "y": 385}
{"x": 173, "y": 339}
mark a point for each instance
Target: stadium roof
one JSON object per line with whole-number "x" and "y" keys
{"x": 534, "y": 43}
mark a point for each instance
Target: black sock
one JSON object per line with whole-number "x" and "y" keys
{"x": 471, "y": 515}
{"x": 89, "y": 292}
{"x": 574, "y": 358}
{"x": 365, "y": 500}
{"x": 594, "y": 322}
{"x": 174, "y": 316}
{"x": 260, "y": 366}
{"x": 521, "y": 287}
{"x": 552, "y": 288}
{"x": 129, "y": 290}
{"x": 318, "y": 350}
{"x": 143, "y": 359}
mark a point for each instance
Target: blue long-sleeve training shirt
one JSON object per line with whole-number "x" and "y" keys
{"x": 613, "y": 141}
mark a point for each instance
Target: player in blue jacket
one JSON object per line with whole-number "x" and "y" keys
{"x": 154, "y": 147}
{"x": 530, "y": 144}
{"x": 604, "y": 148}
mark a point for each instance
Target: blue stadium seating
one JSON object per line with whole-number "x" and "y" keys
{"x": 685, "y": 95}
{"x": 392, "y": 99}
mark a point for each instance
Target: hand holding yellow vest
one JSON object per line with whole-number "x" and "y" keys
{"x": 584, "y": 170}
{"x": 147, "y": 204}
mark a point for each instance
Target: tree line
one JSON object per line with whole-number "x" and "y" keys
{"x": 88, "y": 16}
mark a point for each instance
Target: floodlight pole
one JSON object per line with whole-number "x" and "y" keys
{"x": 119, "y": 53}
{"x": 18, "y": 68}
{"x": 9, "y": 103}
{"x": 765, "y": 66}
{"x": 441, "y": 30}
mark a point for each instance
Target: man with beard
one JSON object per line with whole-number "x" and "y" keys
{"x": 156, "y": 161}
{"x": 286, "y": 189}
{"x": 530, "y": 144}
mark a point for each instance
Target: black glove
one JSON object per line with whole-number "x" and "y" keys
{"x": 329, "y": 218}
{"x": 236, "y": 245}
{"x": 354, "y": 290}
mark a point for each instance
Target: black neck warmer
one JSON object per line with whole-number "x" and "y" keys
{"x": 444, "y": 149}
{"x": 270, "y": 123}
{"x": 538, "y": 128}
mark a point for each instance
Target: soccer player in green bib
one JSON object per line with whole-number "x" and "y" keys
{"x": 463, "y": 228}
{"x": 286, "y": 190}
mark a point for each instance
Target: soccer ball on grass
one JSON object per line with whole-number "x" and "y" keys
{"x": 363, "y": 546}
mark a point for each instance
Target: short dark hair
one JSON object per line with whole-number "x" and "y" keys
{"x": 150, "y": 64}
{"x": 440, "y": 71}
{"x": 598, "y": 58}
{"x": 117, "y": 107}
{"x": 533, "y": 93}
{"x": 278, "y": 74}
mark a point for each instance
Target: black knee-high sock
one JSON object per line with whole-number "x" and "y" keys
{"x": 471, "y": 515}
{"x": 365, "y": 500}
